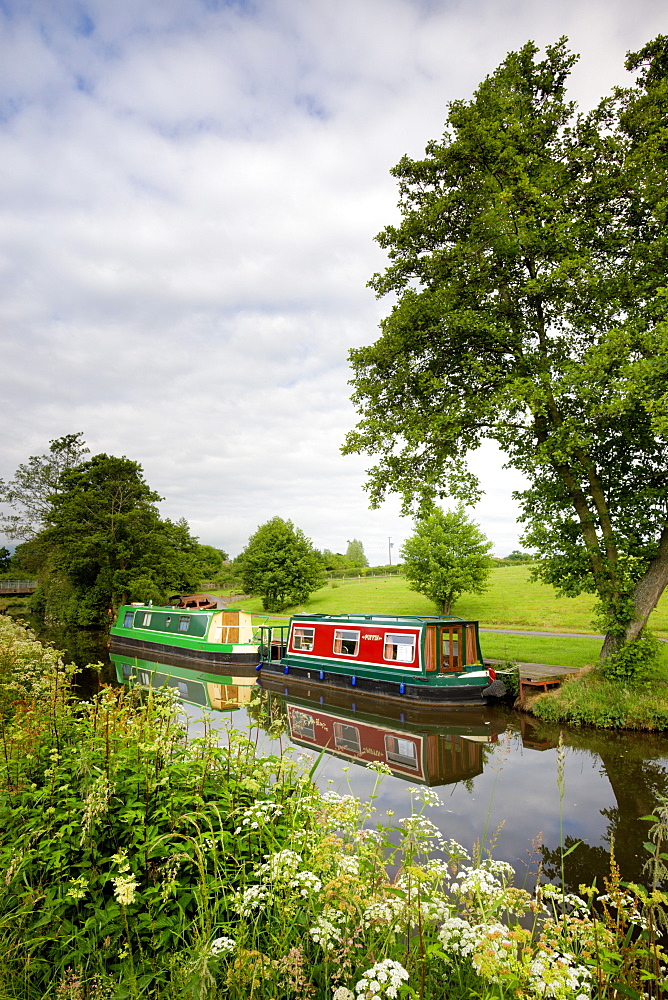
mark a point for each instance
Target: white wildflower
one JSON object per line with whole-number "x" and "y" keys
{"x": 125, "y": 889}
{"x": 257, "y": 815}
{"x": 382, "y": 979}
{"x": 252, "y": 900}
{"x": 426, "y": 795}
{"x": 391, "y": 912}
{"x": 222, "y": 945}
{"x": 457, "y": 936}
{"x": 328, "y": 928}
{"x": 343, "y": 993}
{"x": 307, "y": 883}
{"x": 347, "y": 864}
{"x": 557, "y": 975}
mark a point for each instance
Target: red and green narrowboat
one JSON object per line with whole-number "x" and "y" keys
{"x": 417, "y": 659}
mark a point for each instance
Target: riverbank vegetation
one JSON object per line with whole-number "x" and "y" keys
{"x": 137, "y": 862}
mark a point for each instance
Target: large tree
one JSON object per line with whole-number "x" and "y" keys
{"x": 529, "y": 274}
{"x": 30, "y": 493}
{"x": 447, "y": 556}
{"x": 355, "y": 553}
{"x": 280, "y": 565}
{"x": 105, "y": 544}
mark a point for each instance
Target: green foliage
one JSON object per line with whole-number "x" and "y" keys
{"x": 117, "y": 834}
{"x": 5, "y": 559}
{"x": 355, "y": 553}
{"x": 280, "y": 565}
{"x": 209, "y": 561}
{"x": 139, "y": 863}
{"x": 529, "y": 272}
{"x": 595, "y": 700}
{"x": 105, "y": 545}
{"x": 334, "y": 560}
{"x": 447, "y": 556}
{"x": 35, "y": 482}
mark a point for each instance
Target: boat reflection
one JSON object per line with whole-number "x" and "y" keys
{"x": 429, "y": 746}
{"x": 196, "y": 687}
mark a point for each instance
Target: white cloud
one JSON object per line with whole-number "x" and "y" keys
{"x": 189, "y": 195}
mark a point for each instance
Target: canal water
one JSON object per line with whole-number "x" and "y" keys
{"x": 503, "y": 778}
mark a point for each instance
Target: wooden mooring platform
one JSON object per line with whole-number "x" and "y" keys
{"x": 538, "y": 676}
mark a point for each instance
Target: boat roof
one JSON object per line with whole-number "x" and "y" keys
{"x": 170, "y": 607}
{"x": 385, "y": 619}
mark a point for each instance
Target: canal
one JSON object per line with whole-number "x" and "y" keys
{"x": 502, "y": 777}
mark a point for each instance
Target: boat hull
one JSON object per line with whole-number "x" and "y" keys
{"x": 217, "y": 661}
{"x": 451, "y": 694}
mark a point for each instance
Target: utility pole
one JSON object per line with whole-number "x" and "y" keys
{"x": 390, "y": 543}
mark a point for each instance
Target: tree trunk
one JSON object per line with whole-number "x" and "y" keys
{"x": 645, "y": 596}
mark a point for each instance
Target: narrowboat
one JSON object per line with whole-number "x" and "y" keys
{"x": 221, "y": 639}
{"x": 195, "y": 687}
{"x": 426, "y": 659}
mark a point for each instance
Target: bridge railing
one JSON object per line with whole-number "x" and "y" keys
{"x": 14, "y": 585}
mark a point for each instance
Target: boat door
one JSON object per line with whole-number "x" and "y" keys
{"x": 452, "y": 656}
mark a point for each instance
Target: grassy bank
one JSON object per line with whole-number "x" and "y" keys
{"x": 138, "y": 863}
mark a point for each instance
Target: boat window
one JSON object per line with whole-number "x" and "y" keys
{"x": 400, "y": 647}
{"x": 401, "y": 751}
{"x": 182, "y": 688}
{"x": 302, "y": 638}
{"x": 145, "y": 678}
{"x": 129, "y": 619}
{"x": 346, "y": 641}
{"x": 147, "y": 618}
{"x": 184, "y": 623}
{"x": 127, "y": 671}
{"x": 303, "y": 725}
{"x": 168, "y": 621}
{"x": 346, "y": 737}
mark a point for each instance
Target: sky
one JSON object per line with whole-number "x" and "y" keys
{"x": 190, "y": 191}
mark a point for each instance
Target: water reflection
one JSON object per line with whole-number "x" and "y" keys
{"x": 496, "y": 769}
{"x": 423, "y": 746}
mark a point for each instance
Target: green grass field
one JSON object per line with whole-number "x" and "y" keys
{"x": 512, "y": 601}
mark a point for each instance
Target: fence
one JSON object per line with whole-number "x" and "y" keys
{"x": 18, "y": 586}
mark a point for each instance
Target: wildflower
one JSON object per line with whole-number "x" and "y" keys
{"x": 382, "y": 979}
{"x": 222, "y": 945}
{"x": 125, "y": 887}
{"x": 378, "y": 766}
{"x": 259, "y": 814}
{"x": 457, "y": 936}
{"x": 347, "y": 865}
{"x": 425, "y": 795}
{"x": 328, "y": 928}
{"x": 391, "y": 912}
{"x": 253, "y": 899}
{"x": 306, "y": 882}
{"x": 77, "y": 887}
{"x": 283, "y": 864}
{"x": 343, "y": 993}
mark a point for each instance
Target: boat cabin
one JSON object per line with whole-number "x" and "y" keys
{"x": 204, "y": 624}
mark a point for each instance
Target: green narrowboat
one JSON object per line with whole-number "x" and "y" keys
{"x": 221, "y": 639}
{"x": 432, "y": 660}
